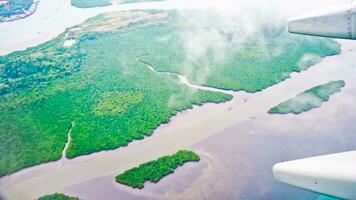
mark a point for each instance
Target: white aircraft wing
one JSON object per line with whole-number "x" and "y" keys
{"x": 338, "y": 21}
{"x": 333, "y": 175}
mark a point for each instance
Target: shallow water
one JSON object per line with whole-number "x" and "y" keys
{"x": 256, "y": 140}
{"x": 239, "y": 165}
{"x": 237, "y": 162}
{"x": 242, "y": 141}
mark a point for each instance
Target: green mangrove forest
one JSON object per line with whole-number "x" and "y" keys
{"x": 309, "y": 99}
{"x": 155, "y": 170}
{"x": 57, "y": 196}
{"x": 97, "y": 82}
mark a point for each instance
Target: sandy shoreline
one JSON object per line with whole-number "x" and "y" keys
{"x": 182, "y": 132}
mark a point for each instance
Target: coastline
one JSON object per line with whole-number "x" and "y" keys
{"x": 53, "y": 17}
{"x": 32, "y": 9}
{"x": 184, "y": 116}
{"x": 183, "y": 131}
{"x": 238, "y": 165}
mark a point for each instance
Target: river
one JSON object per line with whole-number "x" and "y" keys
{"x": 185, "y": 129}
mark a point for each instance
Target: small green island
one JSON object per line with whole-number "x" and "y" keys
{"x": 309, "y": 99}
{"x": 58, "y": 196}
{"x": 81, "y": 77}
{"x": 100, "y": 3}
{"x": 155, "y": 170}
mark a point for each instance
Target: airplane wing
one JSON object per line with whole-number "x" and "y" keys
{"x": 332, "y": 175}
{"x": 338, "y": 21}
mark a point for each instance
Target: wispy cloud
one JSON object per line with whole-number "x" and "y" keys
{"x": 226, "y": 25}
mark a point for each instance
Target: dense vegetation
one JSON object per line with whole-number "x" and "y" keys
{"x": 112, "y": 98}
{"x": 57, "y": 196}
{"x": 153, "y": 171}
{"x": 312, "y": 98}
{"x": 13, "y": 7}
{"x": 98, "y": 3}
{"x": 213, "y": 52}
{"x": 26, "y": 69}
{"x": 116, "y": 103}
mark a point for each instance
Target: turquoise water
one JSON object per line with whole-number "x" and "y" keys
{"x": 322, "y": 197}
{"x": 15, "y": 7}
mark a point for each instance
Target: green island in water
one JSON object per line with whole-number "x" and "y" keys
{"x": 155, "y": 170}
{"x": 99, "y": 3}
{"x": 95, "y": 75}
{"x": 57, "y": 196}
{"x": 309, "y": 99}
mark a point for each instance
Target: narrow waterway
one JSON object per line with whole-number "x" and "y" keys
{"x": 184, "y": 130}
{"x": 184, "y": 80}
{"x": 68, "y": 141}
